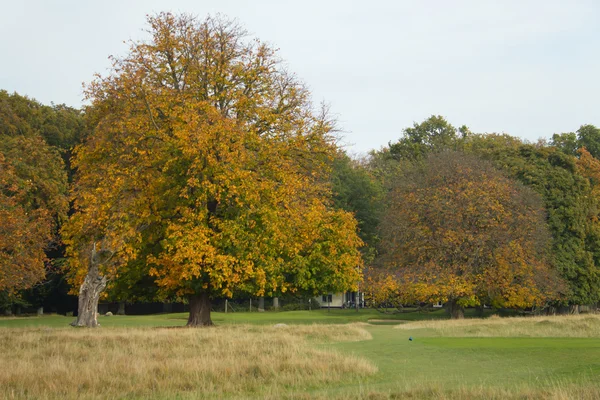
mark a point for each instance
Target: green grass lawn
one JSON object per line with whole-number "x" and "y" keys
{"x": 320, "y": 316}
{"x": 430, "y": 365}
{"x": 452, "y": 363}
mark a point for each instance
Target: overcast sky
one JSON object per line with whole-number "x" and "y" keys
{"x": 527, "y": 68}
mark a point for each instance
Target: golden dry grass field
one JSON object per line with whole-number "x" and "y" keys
{"x": 225, "y": 361}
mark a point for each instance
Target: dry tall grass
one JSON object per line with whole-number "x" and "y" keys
{"x": 586, "y": 325}
{"x": 226, "y": 361}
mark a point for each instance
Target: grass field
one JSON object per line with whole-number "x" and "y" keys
{"x": 322, "y": 316}
{"x": 315, "y": 356}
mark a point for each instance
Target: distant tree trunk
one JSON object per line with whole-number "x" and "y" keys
{"x": 574, "y": 309}
{"x": 89, "y": 294}
{"x": 456, "y": 311}
{"x": 276, "y": 303}
{"x": 563, "y": 310}
{"x": 479, "y": 311}
{"x": 199, "y": 310}
{"x": 261, "y": 304}
{"x": 8, "y": 311}
{"x": 121, "y": 310}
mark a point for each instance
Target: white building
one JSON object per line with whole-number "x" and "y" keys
{"x": 340, "y": 300}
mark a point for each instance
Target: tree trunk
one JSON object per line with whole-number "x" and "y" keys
{"x": 479, "y": 311}
{"x": 574, "y": 309}
{"x": 199, "y": 310}
{"x": 121, "y": 310}
{"x": 564, "y": 310}
{"x": 261, "y": 304}
{"x": 456, "y": 311}
{"x": 275, "y": 303}
{"x": 89, "y": 294}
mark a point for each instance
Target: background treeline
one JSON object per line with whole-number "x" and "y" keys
{"x": 36, "y": 143}
{"x": 562, "y": 173}
{"x": 546, "y": 231}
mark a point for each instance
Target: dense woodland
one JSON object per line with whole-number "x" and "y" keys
{"x": 201, "y": 170}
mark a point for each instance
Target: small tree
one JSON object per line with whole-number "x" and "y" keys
{"x": 457, "y": 231}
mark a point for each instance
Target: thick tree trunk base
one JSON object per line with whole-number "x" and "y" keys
{"x": 455, "y": 311}
{"x": 121, "y": 310}
{"x": 199, "y": 311}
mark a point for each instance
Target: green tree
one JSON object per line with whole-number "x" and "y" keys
{"x": 432, "y": 135}
{"x": 566, "y": 142}
{"x": 588, "y": 136}
{"x": 61, "y": 126}
{"x": 357, "y": 191}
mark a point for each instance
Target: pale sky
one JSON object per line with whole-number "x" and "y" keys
{"x": 525, "y": 67}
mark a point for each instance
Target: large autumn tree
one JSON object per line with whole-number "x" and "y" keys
{"x": 457, "y": 231}
{"x": 208, "y": 170}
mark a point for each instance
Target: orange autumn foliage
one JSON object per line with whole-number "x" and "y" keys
{"x": 457, "y": 230}
{"x": 33, "y": 186}
{"x": 207, "y": 169}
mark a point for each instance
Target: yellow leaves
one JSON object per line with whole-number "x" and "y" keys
{"x": 459, "y": 229}
{"x": 214, "y": 175}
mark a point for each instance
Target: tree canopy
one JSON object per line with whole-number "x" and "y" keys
{"x": 457, "y": 231}
{"x": 432, "y": 135}
{"x": 33, "y": 196}
{"x": 567, "y": 191}
{"x": 357, "y": 191}
{"x": 209, "y": 164}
